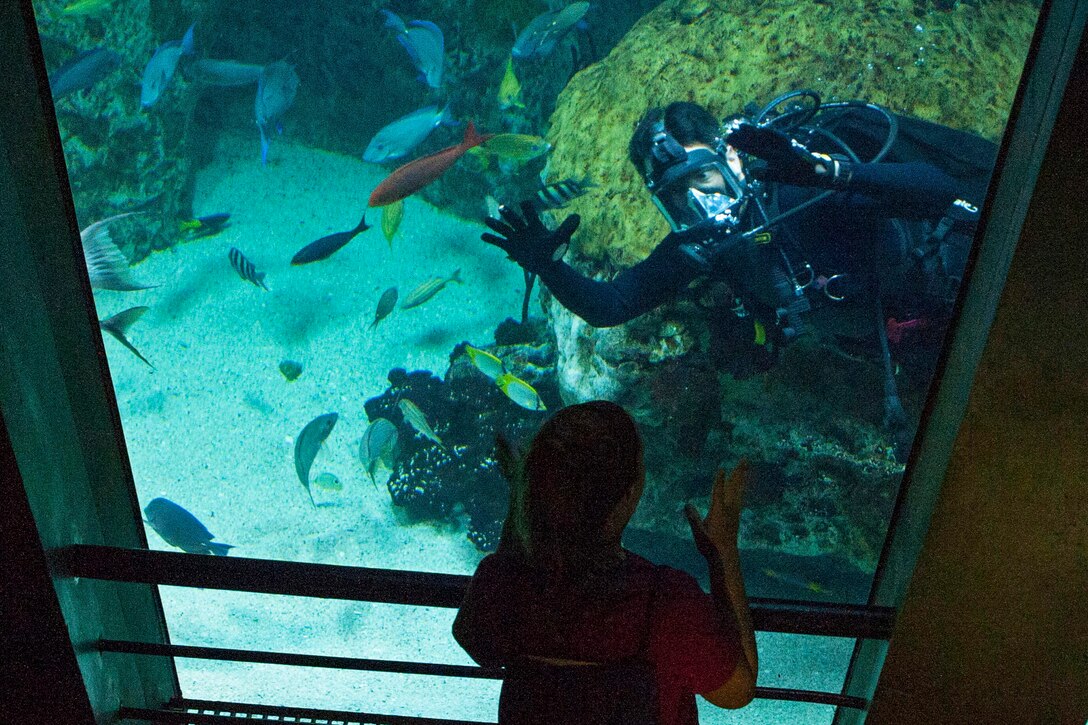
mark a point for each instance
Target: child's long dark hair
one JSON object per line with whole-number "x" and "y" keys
{"x": 580, "y": 465}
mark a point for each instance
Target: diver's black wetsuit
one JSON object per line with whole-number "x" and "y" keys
{"x": 836, "y": 235}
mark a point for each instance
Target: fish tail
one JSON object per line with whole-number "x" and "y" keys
{"x": 456, "y": 277}
{"x": 187, "y": 44}
{"x": 363, "y": 226}
{"x": 259, "y": 279}
{"x": 473, "y": 138}
{"x": 219, "y": 549}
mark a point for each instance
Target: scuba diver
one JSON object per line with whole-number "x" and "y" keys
{"x": 780, "y": 207}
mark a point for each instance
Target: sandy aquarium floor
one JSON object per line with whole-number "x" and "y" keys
{"x": 212, "y": 426}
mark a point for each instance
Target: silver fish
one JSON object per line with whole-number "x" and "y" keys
{"x": 212, "y": 72}
{"x": 385, "y": 305}
{"x": 245, "y": 268}
{"x": 397, "y": 139}
{"x": 107, "y": 267}
{"x": 276, "y": 89}
{"x": 539, "y": 38}
{"x": 379, "y": 446}
{"x": 429, "y": 289}
{"x": 415, "y": 418}
{"x": 160, "y": 69}
{"x": 308, "y": 444}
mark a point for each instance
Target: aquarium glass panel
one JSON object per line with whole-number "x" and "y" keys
{"x": 315, "y": 335}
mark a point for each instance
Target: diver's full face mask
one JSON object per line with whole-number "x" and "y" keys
{"x": 692, "y": 187}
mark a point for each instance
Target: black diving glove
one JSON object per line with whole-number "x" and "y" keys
{"x": 789, "y": 161}
{"x": 526, "y": 240}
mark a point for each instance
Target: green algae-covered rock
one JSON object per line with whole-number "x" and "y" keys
{"x": 959, "y": 67}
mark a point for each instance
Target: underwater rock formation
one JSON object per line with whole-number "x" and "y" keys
{"x": 460, "y": 477}
{"x": 804, "y": 421}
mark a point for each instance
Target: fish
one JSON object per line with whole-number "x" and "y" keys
{"x": 82, "y": 71}
{"x": 397, "y": 139}
{"x": 520, "y": 392}
{"x": 429, "y": 289}
{"x": 386, "y": 303}
{"x": 245, "y": 268}
{"x": 560, "y": 193}
{"x": 328, "y": 481}
{"x": 85, "y": 7}
{"x": 328, "y": 245}
{"x": 539, "y": 38}
{"x": 379, "y": 445}
{"x": 118, "y": 325}
{"x": 411, "y": 177}
{"x": 290, "y": 369}
{"x": 308, "y": 444}
{"x": 515, "y": 146}
{"x": 227, "y": 73}
{"x": 181, "y": 529}
{"x": 796, "y": 581}
{"x": 510, "y": 88}
{"x": 485, "y": 362}
{"x": 205, "y": 226}
{"x": 276, "y": 89}
{"x": 415, "y": 418}
{"x": 425, "y": 45}
{"x": 107, "y": 267}
{"x": 391, "y": 218}
{"x": 160, "y": 69}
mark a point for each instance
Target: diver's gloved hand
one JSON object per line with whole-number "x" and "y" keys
{"x": 525, "y": 238}
{"x": 789, "y": 161}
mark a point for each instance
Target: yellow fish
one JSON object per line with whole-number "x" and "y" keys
{"x": 514, "y": 146}
{"x": 520, "y": 392}
{"x": 85, "y": 7}
{"x": 485, "y": 362}
{"x": 328, "y": 481}
{"x": 510, "y": 88}
{"x": 391, "y": 216}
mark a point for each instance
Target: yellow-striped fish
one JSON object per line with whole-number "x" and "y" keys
{"x": 85, "y": 7}
{"x": 510, "y": 88}
{"x": 520, "y": 392}
{"x": 514, "y": 146}
{"x": 429, "y": 289}
{"x": 391, "y": 216}
{"x": 485, "y": 362}
{"x": 415, "y": 418}
{"x": 796, "y": 581}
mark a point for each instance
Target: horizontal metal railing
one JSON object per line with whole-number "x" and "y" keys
{"x": 391, "y": 587}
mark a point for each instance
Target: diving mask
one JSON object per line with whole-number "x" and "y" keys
{"x": 692, "y": 187}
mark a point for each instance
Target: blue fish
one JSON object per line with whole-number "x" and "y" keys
{"x": 82, "y": 71}
{"x": 160, "y": 69}
{"x": 424, "y": 43}
{"x": 543, "y": 33}
{"x": 327, "y": 245}
{"x": 276, "y": 89}
{"x": 398, "y": 138}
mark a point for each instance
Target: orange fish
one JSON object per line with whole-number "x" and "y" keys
{"x": 414, "y": 175}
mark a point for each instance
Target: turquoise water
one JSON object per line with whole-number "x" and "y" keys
{"x": 211, "y": 423}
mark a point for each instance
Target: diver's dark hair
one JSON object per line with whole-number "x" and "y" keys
{"x": 687, "y": 122}
{"x": 580, "y": 465}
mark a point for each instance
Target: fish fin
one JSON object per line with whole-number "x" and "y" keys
{"x": 393, "y": 21}
{"x": 260, "y": 281}
{"x": 473, "y": 138}
{"x": 187, "y": 44}
{"x": 119, "y": 323}
{"x": 107, "y": 267}
{"x": 363, "y": 226}
{"x": 219, "y": 549}
{"x": 456, "y": 277}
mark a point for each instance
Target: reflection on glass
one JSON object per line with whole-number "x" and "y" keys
{"x": 265, "y": 257}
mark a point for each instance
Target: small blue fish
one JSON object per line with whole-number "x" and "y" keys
{"x": 539, "y": 38}
{"x": 276, "y": 89}
{"x": 160, "y": 69}
{"x": 398, "y": 138}
{"x": 425, "y": 45}
{"x": 82, "y": 71}
{"x": 327, "y": 245}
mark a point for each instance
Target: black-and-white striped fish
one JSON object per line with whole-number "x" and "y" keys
{"x": 561, "y": 193}
{"x": 245, "y": 268}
